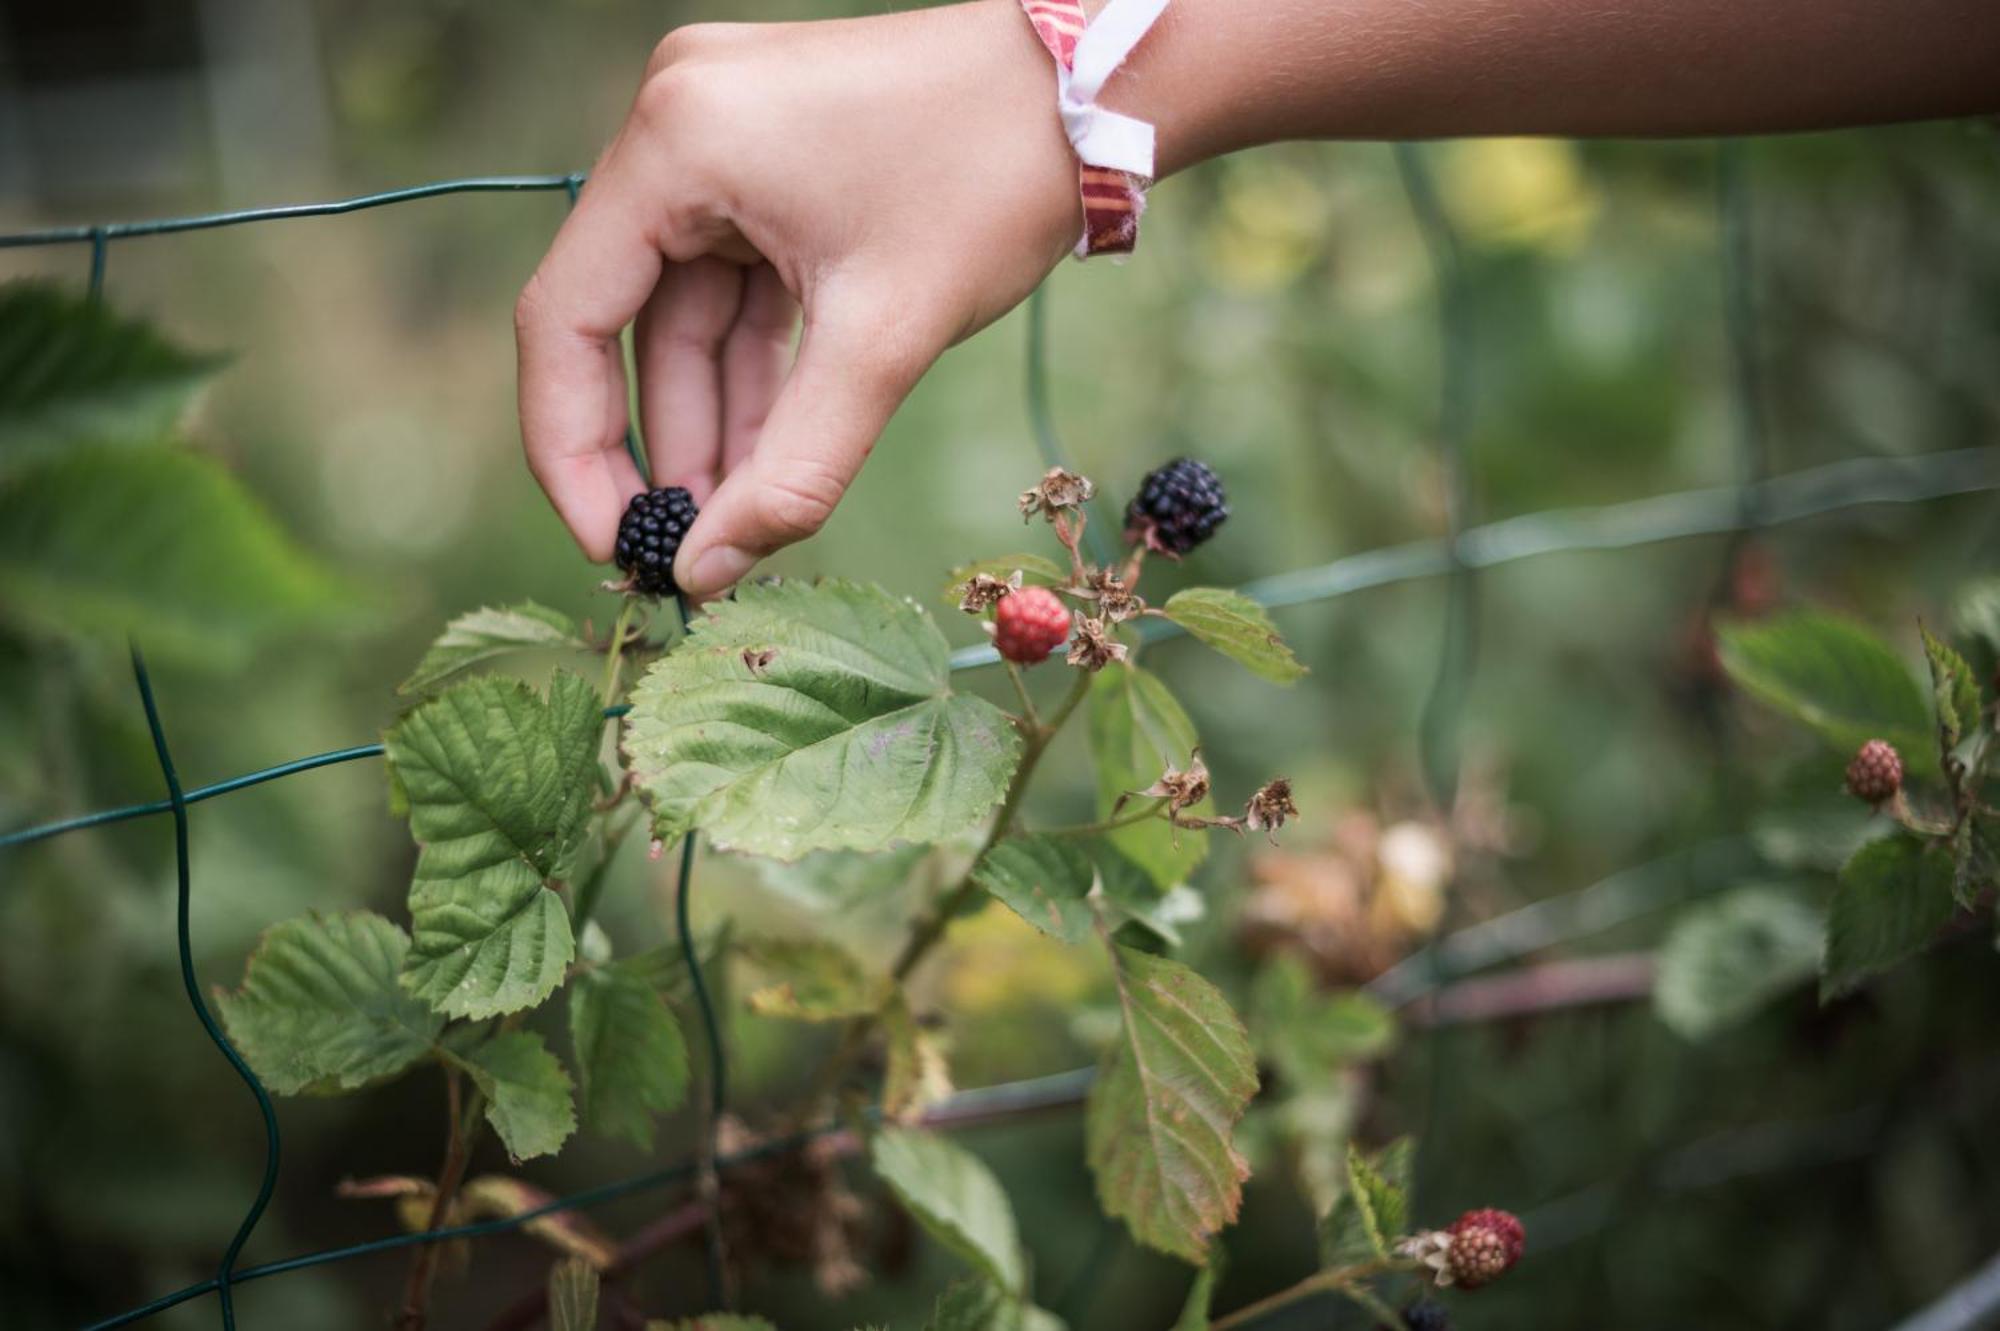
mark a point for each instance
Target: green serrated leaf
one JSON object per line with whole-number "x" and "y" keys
{"x": 527, "y": 1093}
{"x": 809, "y": 979}
{"x": 1380, "y": 1188}
{"x": 1136, "y": 899}
{"x": 1034, "y": 569}
{"x": 1237, "y": 627}
{"x": 72, "y": 370}
{"x": 835, "y": 881}
{"x": 974, "y": 1305}
{"x": 631, "y": 1060}
{"x": 1833, "y": 675}
{"x": 483, "y": 635}
{"x": 713, "y": 1322}
{"x": 955, "y": 1197}
{"x": 1893, "y": 897}
{"x": 801, "y": 717}
{"x": 1727, "y": 957}
{"x": 1138, "y": 731}
{"x": 320, "y": 1010}
{"x": 573, "y": 1295}
{"x": 99, "y": 546}
{"x": 1044, "y": 880}
{"x": 499, "y": 784}
{"x": 1158, "y": 1122}
{"x": 1954, "y": 692}
{"x": 1308, "y": 1035}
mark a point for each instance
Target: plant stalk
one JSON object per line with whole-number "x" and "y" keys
{"x": 1336, "y": 1281}
{"x": 463, "y": 1128}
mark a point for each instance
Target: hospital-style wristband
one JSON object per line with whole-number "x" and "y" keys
{"x": 1114, "y": 152}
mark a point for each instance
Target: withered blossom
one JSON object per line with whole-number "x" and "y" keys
{"x": 1270, "y": 806}
{"x": 983, "y": 591}
{"x": 1058, "y": 489}
{"x": 1093, "y": 647}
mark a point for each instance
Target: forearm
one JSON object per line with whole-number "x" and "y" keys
{"x": 1219, "y": 75}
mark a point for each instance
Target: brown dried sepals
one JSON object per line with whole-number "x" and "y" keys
{"x": 1116, "y": 601}
{"x": 983, "y": 591}
{"x": 1092, "y": 647}
{"x": 1270, "y": 807}
{"x": 1058, "y": 489}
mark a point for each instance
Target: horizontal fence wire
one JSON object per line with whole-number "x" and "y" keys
{"x": 1764, "y": 501}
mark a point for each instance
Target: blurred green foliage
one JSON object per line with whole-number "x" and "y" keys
{"x": 1805, "y": 1167}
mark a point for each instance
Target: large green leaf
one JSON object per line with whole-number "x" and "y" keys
{"x": 1137, "y": 732}
{"x": 631, "y": 1060}
{"x": 1237, "y": 627}
{"x": 498, "y": 784}
{"x": 320, "y": 1010}
{"x": 1158, "y": 1124}
{"x": 981, "y": 1305}
{"x": 1894, "y": 895}
{"x": 482, "y": 635}
{"x": 955, "y": 1197}
{"x": 802, "y": 717}
{"x": 1727, "y": 957}
{"x": 1307, "y": 1035}
{"x": 74, "y": 371}
{"x": 1372, "y": 1209}
{"x": 1832, "y": 674}
{"x": 163, "y": 546}
{"x": 527, "y": 1093}
{"x": 1044, "y": 880}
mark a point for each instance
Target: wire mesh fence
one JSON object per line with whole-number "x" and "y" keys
{"x": 1758, "y": 499}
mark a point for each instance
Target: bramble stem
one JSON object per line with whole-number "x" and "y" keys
{"x": 1110, "y": 824}
{"x": 463, "y": 1128}
{"x": 1339, "y": 1280}
{"x": 614, "y": 654}
{"x": 1028, "y": 713}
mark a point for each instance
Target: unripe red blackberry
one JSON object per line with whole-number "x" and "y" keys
{"x": 1029, "y": 624}
{"x": 1484, "y": 1246}
{"x": 1177, "y": 508}
{"x": 1876, "y": 773}
{"x": 649, "y": 536}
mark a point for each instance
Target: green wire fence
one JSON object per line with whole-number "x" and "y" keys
{"x": 1758, "y": 499}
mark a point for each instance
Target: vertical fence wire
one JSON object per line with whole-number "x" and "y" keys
{"x": 184, "y": 879}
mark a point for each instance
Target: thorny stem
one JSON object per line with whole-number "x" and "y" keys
{"x": 926, "y": 932}
{"x": 1339, "y": 1280}
{"x": 463, "y": 1128}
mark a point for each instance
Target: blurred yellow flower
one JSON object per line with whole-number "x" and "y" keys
{"x": 999, "y": 961}
{"x": 1519, "y": 192}
{"x": 1269, "y": 229}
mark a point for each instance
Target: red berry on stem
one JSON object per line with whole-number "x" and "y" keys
{"x": 1484, "y": 1246}
{"x": 1876, "y": 773}
{"x": 1029, "y": 624}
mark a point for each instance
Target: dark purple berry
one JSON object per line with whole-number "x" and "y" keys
{"x": 1177, "y": 508}
{"x": 649, "y": 536}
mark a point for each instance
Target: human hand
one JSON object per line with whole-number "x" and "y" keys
{"x": 902, "y": 180}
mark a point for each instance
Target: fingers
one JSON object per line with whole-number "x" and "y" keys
{"x": 678, "y": 346}
{"x": 598, "y": 273}
{"x": 850, "y": 376}
{"x": 754, "y": 360}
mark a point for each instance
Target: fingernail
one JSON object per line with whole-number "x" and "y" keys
{"x": 717, "y": 569}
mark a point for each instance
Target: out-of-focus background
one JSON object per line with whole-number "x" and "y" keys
{"x": 1806, "y": 1167}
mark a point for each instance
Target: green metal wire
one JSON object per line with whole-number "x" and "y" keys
{"x": 184, "y": 877}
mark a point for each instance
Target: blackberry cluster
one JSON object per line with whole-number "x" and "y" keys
{"x": 1485, "y": 1244}
{"x": 1427, "y": 1316}
{"x": 1177, "y": 508}
{"x": 649, "y": 536}
{"x": 1876, "y": 773}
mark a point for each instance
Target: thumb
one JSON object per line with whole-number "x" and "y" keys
{"x": 851, "y": 373}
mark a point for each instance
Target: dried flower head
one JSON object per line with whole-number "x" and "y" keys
{"x": 1092, "y": 647}
{"x": 983, "y": 591}
{"x": 1431, "y": 1249}
{"x": 1270, "y": 806}
{"x": 1058, "y": 489}
{"x": 1115, "y": 601}
{"x": 1181, "y": 789}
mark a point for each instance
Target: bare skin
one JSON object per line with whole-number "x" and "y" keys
{"x": 902, "y": 181}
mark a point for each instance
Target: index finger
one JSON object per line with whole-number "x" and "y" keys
{"x": 599, "y": 270}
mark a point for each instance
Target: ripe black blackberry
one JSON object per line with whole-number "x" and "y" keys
{"x": 1427, "y": 1316}
{"x": 1177, "y": 508}
{"x": 649, "y": 536}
